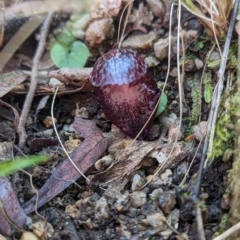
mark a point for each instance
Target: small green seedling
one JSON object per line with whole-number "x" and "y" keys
{"x": 68, "y": 52}
{"x": 11, "y": 166}
{"x": 162, "y": 104}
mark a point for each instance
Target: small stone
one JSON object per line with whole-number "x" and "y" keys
{"x": 54, "y": 82}
{"x": 157, "y": 220}
{"x": 173, "y": 218}
{"x": 82, "y": 112}
{"x": 104, "y": 162}
{"x": 161, "y": 48}
{"x": 167, "y": 201}
{"x": 190, "y": 35}
{"x": 189, "y": 65}
{"x": 151, "y": 61}
{"x": 164, "y": 179}
{"x": 137, "y": 182}
{"x": 155, "y": 194}
{"x": 101, "y": 209}
{"x": 106, "y": 9}
{"x": 157, "y": 7}
{"x": 123, "y": 232}
{"x": 174, "y": 72}
{"x": 180, "y": 172}
{"x": 70, "y": 145}
{"x": 42, "y": 229}
{"x": 198, "y": 63}
{"x": 138, "y": 199}
{"x": 139, "y": 41}
{"x": 99, "y": 30}
{"x": 29, "y": 235}
{"x": 48, "y": 121}
{"x": 200, "y": 130}
{"x": 72, "y": 211}
{"x": 6, "y": 151}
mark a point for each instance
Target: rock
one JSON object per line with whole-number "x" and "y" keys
{"x": 101, "y": 209}
{"x": 151, "y": 61}
{"x": 138, "y": 199}
{"x": 99, "y": 30}
{"x": 124, "y": 232}
{"x": 137, "y": 182}
{"x": 189, "y": 65}
{"x": 189, "y": 36}
{"x": 139, "y": 41}
{"x": 161, "y": 48}
{"x": 200, "y": 130}
{"x": 42, "y": 229}
{"x": 157, "y": 7}
{"x": 198, "y": 63}
{"x": 107, "y": 9}
{"x": 164, "y": 179}
{"x": 155, "y": 194}
{"x": 173, "y": 218}
{"x": 104, "y": 162}
{"x": 157, "y": 220}
{"x": 167, "y": 201}
{"x": 29, "y": 236}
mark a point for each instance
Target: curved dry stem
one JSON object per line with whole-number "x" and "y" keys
{"x": 33, "y": 85}
{"x": 55, "y": 129}
{"x": 120, "y": 39}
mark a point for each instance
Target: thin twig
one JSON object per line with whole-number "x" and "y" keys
{"x": 215, "y": 103}
{"x": 2, "y": 26}
{"x": 55, "y": 129}
{"x": 30, "y": 95}
{"x": 200, "y": 226}
{"x": 235, "y": 228}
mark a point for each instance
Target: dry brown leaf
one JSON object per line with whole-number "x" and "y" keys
{"x": 84, "y": 156}
{"x": 162, "y": 154}
{"x": 10, "y": 80}
{"x": 128, "y": 158}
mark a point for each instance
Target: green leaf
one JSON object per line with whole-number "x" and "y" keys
{"x": 12, "y": 166}
{"x": 74, "y": 55}
{"x": 162, "y": 104}
{"x": 65, "y": 38}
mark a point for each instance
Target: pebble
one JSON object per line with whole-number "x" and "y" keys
{"x": 42, "y": 229}
{"x": 199, "y": 63}
{"x": 173, "y": 218}
{"x": 106, "y": 8}
{"x": 101, "y": 209}
{"x": 138, "y": 198}
{"x": 54, "y": 82}
{"x": 161, "y": 48}
{"x": 151, "y": 61}
{"x": 200, "y": 130}
{"x": 164, "y": 179}
{"x": 157, "y": 7}
{"x": 29, "y": 236}
{"x": 98, "y": 31}
{"x": 157, "y": 220}
{"x": 104, "y": 162}
{"x": 137, "y": 182}
{"x": 167, "y": 201}
{"x": 155, "y": 194}
{"x": 180, "y": 171}
{"x": 140, "y": 41}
